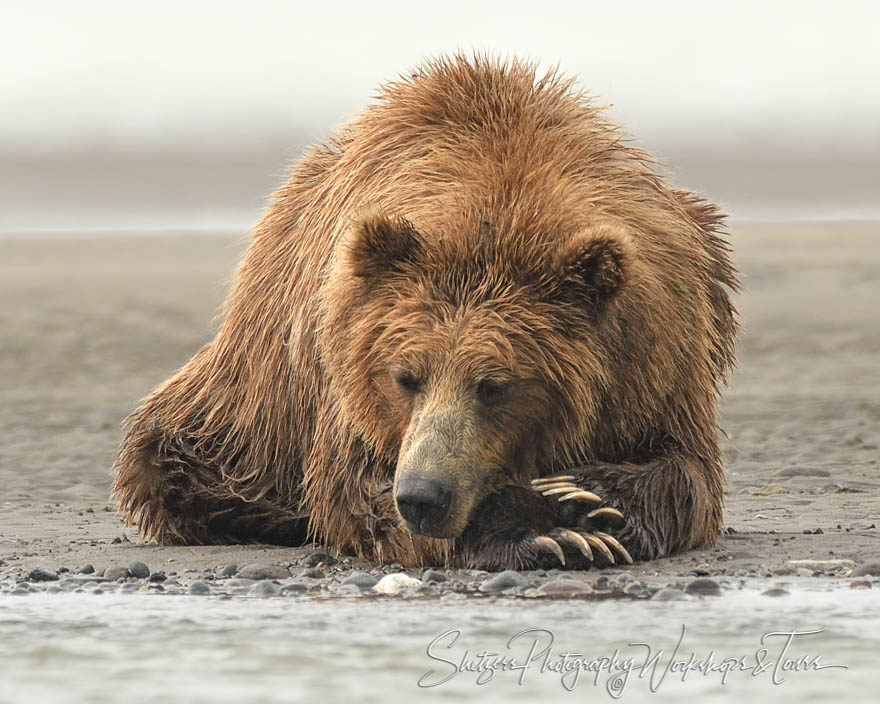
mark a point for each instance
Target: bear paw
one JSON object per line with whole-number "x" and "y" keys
{"x": 584, "y": 541}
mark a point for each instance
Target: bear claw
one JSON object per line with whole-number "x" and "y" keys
{"x": 553, "y": 479}
{"x": 584, "y": 542}
{"x": 612, "y": 515}
{"x": 542, "y": 542}
{"x": 615, "y": 543}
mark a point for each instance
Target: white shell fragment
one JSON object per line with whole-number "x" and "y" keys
{"x": 396, "y": 583}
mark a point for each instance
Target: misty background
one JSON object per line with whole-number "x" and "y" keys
{"x": 161, "y": 116}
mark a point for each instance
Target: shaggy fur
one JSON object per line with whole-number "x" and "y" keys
{"x": 477, "y": 263}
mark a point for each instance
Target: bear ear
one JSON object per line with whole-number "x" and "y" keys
{"x": 593, "y": 265}
{"x": 381, "y": 243}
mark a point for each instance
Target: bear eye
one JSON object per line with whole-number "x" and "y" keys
{"x": 491, "y": 392}
{"x": 408, "y": 382}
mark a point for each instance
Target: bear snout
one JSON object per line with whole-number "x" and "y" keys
{"x": 424, "y": 503}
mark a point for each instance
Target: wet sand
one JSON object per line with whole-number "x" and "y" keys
{"x": 90, "y": 325}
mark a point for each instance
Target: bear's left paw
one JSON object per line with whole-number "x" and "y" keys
{"x": 583, "y": 540}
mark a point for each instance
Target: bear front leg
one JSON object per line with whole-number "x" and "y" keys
{"x": 599, "y": 514}
{"x": 660, "y": 508}
{"x": 519, "y": 528}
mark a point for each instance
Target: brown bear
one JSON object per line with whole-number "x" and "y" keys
{"x": 476, "y": 328}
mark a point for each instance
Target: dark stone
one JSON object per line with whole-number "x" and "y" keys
{"x": 114, "y": 573}
{"x": 362, "y": 580}
{"x": 697, "y": 573}
{"x": 199, "y": 588}
{"x": 260, "y": 571}
{"x": 42, "y": 574}
{"x": 295, "y": 588}
{"x": 139, "y": 569}
{"x": 775, "y": 591}
{"x": 158, "y": 577}
{"x": 669, "y": 595}
{"x": 703, "y": 587}
{"x": 434, "y": 576}
{"x": 312, "y": 573}
{"x": 503, "y": 580}
{"x": 85, "y": 569}
{"x": 265, "y": 588}
{"x": 317, "y": 558}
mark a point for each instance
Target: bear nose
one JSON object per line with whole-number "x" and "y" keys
{"x": 424, "y": 503}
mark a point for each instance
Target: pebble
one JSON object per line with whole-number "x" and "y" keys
{"x": 312, "y": 573}
{"x": 395, "y": 583}
{"x": 265, "y": 588}
{"x": 669, "y": 595}
{"x": 261, "y": 571}
{"x": 199, "y": 588}
{"x": 114, "y": 573}
{"x": 361, "y": 580}
{"x": 703, "y": 587}
{"x": 158, "y": 577}
{"x": 434, "y": 576}
{"x": 85, "y": 569}
{"x": 139, "y": 569}
{"x": 316, "y": 558}
{"x": 503, "y": 580}
{"x": 775, "y": 591}
{"x": 867, "y": 568}
{"x": 820, "y": 565}
{"x": 42, "y": 574}
{"x": 229, "y": 571}
{"x": 294, "y": 588}
{"x": 564, "y": 587}
{"x": 860, "y": 584}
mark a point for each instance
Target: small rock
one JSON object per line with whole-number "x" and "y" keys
{"x": 312, "y": 573}
{"x": 697, "y": 573}
{"x": 820, "y": 565}
{"x": 867, "y": 568}
{"x": 634, "y": 589}
{"x": 42, "y": 574}
{"x": 114, "y": 573}
{"x": 229, "y": 571}
{"x": 860, "y": 584}
{"x": 318, "y": 558}
{"x": 265, "y": 588}
{"x": 434, "y": 576}
{"x": 669, "y": 595}
{"x": 395, "y": 583}
{"x": 348, "y": 590}
{"x": 139, "y": 569}
{"x": 775, "y": 591}
{"x": 361, "y": 580}
{"x": 503, "y": 580}
{"x": 703, "y": 587}
{"x": 199, "y": 588}
{"x": 564, "y": 587}
{"x": 158, "y": 577}
{"x": 861, "y": 525}
{"x": 294, "y": 588}
{"x": 261, "y": 571}
{"x": 85, "y": 569}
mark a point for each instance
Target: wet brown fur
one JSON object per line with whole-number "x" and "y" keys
{"x": 477, "y": 220}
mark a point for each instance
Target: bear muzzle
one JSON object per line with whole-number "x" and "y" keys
{"x": 424, "y": 504}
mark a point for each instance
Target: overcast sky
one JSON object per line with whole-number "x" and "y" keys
{"x": 159, "y": 71}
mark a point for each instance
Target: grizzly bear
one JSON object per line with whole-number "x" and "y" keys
{"x": 475, "y": 328}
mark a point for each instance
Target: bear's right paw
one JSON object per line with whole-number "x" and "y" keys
{"x": 583, "y": 540}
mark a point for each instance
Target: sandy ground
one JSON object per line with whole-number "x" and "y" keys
{"x": 88, "y": 326}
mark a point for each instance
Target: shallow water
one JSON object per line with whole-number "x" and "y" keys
{"x": 113, "y": 647}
